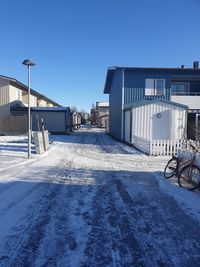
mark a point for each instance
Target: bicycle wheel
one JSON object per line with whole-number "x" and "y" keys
{"x": 171, "y": 168}
{"x": 189, "y": 177}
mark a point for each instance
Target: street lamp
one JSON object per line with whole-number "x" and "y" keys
{"x": 29, "y": 63}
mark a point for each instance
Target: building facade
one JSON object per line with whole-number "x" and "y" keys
{"x": 102, "y": 114}
{"x": 14, "y": 109}
{"x": 132, "y": 87}
{"x": 13, "y": 91}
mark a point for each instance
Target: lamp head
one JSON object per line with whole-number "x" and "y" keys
{"x": 28, "y": 62}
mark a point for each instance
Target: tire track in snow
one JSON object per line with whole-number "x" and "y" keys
{"x": 150, "y": 252}
{"x": 26, "y": 238}
{"x": 19, "y": 198}
{"x": 162, "y": 233}
{"x": 111, "y": 241}
{"x": 67, "y": 223}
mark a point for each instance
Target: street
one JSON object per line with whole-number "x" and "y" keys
{"x": 92, "y": 201}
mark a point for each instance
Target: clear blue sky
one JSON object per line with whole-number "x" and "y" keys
{"x": 73, "y": 42}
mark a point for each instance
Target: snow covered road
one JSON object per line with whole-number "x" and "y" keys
{"x": 91, "y": 201}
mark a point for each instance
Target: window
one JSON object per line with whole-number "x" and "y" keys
{"x": 18, "y": 94}
{"x": 180, "y": 88}
{"x": 154, "y": 87}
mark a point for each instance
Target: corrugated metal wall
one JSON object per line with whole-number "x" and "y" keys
{"x": 115, "y": 109}
{"x": 134, "y": 90}
{"x": 127, "y": 125}
{"x": 4, "y": 98}
{"x": 54, "y": 122}
{"x": 169, "y": 124}
{"x": 135, "y": 85}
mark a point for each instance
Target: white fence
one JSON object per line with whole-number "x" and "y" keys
{"x": 141, "y": 143}
{"x": 161, "y": 147}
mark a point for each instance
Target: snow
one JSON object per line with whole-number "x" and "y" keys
{"x": 92, "y": 201}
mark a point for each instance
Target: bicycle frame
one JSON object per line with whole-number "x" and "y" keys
{"x": 190, "y": 162}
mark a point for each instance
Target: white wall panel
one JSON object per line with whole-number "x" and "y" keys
{"x": 193, "y": 102}
{"x": 147, "y": 124}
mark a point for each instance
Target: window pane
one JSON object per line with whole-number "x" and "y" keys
{"x": 180, "y": 88}
{"x": 159, "y": 86}
{"x": 149, "y": 86}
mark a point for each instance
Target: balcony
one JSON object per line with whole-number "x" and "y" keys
{"x": 185, "y": 93}
{"x": 190, "y": 99}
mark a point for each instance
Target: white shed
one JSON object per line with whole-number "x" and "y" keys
{"x": 155, "y": 120}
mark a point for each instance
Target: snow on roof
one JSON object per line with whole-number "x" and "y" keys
{"x": 102, "y": 104}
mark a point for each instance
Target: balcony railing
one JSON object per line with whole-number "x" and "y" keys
{"x": 185, "y": 93}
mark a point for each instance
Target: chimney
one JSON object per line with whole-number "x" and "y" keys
{"x": 196, "y": 65}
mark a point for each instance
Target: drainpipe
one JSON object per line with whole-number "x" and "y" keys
{"x": 122, "y": 110}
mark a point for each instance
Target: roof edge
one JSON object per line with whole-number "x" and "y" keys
{"x": 22, "y": 86}
{"x": 148, "y": 102}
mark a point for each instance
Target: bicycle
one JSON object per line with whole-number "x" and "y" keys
{"x": 188, "y": 173}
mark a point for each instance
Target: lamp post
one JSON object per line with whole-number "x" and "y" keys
{"x": 29, "y": 63}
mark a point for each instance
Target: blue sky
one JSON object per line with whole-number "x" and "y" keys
{"x": 74, "y": 42}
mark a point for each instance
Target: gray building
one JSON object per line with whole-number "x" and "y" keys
{"x": 57, "y": 120}
{"x": 102, "y": 114}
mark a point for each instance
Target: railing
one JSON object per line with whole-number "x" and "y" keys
{"x": 185, "y": 93}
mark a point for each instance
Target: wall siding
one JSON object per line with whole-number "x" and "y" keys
{"x": 171, "y": 125}
{"x": 4, "y": 98}
{"x": 13, "y": 124}
{"x": 53, "y": 121}
{"x": 135, "y": 85}
{"x": 115, "y": 109}
{"x": 33, "y": 100}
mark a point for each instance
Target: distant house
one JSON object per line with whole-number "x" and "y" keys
{"x": 152, "y": 103}
{"x": 99, "y": 114}
{"x": 13, "y": 109}
{"x": 76, "y": 120}
{"x": 12, "y": 90}
{"x": 102, "y": 113}
{"x": 94, "y": 116}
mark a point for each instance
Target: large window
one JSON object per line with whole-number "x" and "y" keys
{"x": 180, "y": 88}
{"x": 154, "y": 87}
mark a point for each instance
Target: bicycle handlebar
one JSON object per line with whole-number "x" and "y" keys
{"x": 194, "y": 148}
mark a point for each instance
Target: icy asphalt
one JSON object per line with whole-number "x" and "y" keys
{"x": 92, "y": 201}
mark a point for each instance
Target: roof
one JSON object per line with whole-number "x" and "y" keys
{"x": 50, "y": 109}
{"x": 149, "y": 102}
{"x": 187, "y": 73}
{"x": 17, "y": 107}
{"x": 24, "y": 87}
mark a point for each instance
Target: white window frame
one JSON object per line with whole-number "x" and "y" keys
{"x": 151, "y": 87}
{"x": 18, "y": 94}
